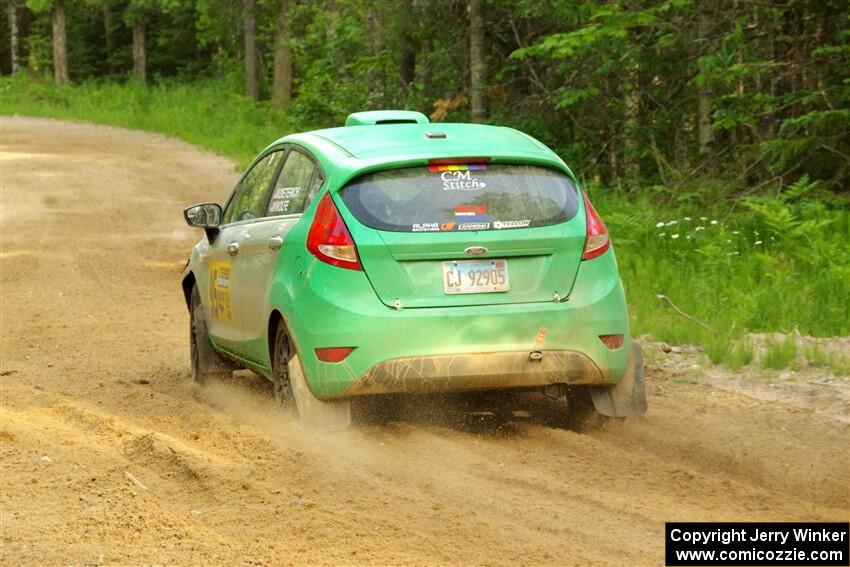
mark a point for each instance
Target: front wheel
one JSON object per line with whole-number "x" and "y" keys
{"x": 280, "y": 370}
{"x": 206, "y": 363}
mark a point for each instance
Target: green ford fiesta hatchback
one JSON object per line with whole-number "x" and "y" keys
{"x": 397, "y": 256}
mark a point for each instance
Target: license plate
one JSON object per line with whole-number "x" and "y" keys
{"x": 475, "y": 276}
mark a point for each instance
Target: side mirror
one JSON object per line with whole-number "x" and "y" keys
{"x": 206, "y": 216}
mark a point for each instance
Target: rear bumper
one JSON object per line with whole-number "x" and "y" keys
{"x": 457, "y": 348}
{"x": 483, "y": 371}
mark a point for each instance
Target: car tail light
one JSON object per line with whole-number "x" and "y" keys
{"x": 336, "y": 354}
{"x": 329, "y": 239}
{"x": 597, "y": 241}
{"x": 612, "y": 341}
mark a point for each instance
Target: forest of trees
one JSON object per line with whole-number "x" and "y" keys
{"x": 753, "y": 93}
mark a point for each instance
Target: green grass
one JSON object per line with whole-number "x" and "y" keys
{"x": 761, "y": 264}
{"x": 772, "y": 264}
{"x": 780, "y": 354}
{"x": 734, "y": 352}
{"x": 208, "y": 114}
{"x": 817, "y": 357}
{"x": 839, "y": 365}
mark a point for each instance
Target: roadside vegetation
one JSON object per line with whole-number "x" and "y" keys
{"x": 210, "y": 114}
{"x": 776, "y": 262}
{"x": 713, "y": 136}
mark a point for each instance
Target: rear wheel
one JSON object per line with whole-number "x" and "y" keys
{"x": 628, "y": 396}
{"x": 582, "y": 414}
{"x": 575, "y": 408}
{"x": 280, "y": 369}
{"x": 291, "y": 390}
{"x": 206, "y": 363}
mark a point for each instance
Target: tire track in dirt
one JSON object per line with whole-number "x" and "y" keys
{"x": 95, "y": 378}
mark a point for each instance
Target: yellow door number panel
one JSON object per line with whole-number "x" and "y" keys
{"x": 221, "y": 296}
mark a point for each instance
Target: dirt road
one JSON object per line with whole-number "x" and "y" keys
{"x": 110, "y": 454}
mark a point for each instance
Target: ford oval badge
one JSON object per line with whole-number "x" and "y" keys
{"x": 475, "y": 251}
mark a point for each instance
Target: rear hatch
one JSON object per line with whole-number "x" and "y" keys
{"x": 466, "y": 234}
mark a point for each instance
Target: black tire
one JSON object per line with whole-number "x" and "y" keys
{"x": 313, "y": 413}
{"x": 206, "y": 363}
{"x": 281, "y": 354}
{"x": 292, "y": 394}
{"x": 581, "y": 413}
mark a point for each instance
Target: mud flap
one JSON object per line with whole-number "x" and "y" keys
{"x": 629, "y": 396}
{"x": 314, "y": 413}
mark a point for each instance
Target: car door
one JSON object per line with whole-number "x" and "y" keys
{"x": 246, "y": 205}
{"x": 298, "y": 181}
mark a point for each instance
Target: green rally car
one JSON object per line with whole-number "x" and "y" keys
{"x": 392, "y": 256}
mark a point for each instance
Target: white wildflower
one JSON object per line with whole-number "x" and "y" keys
{"x": 699, "y": 228}
{"x": 659, "y": 225}
{"x": 758, "y": 242}
{"x": 734, "y": 232}
{"x": 703, "y": 219}
{"x": 688, "y": 219}
{"x": 674, "y": 236}
{"x": 713, "y": 221}
{"x": 732, "y": 253}
{"x": 662, "y": 235}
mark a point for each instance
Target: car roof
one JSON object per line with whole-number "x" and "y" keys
{"x": 393, "y": 140}
{"x": 356, "y": 149}
{"x": 388, "y": 140}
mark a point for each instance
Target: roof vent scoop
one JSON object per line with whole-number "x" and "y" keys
{"x": 374, "y": 117}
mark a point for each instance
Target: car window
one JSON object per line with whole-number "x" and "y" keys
{"x": 315, "y": 185}
{"x": 293, "y": 185}
{"x": 250, "y": 196}
{"x": 445, "y": 198}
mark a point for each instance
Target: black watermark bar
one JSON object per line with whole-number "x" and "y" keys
{"x": 757, "y": 543}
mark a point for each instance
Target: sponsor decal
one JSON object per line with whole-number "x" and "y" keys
{"x": 473, "y": 226}
{"x": 426, "y": 227}
{"x": 457, "y": 167}
{"x": 511, "y": 224}
{"x": 221, "y": 303}
{"x": 471, "y": 213}
{"x": 448, "y": 226}
{"x": 541, "y": 337}
{"x": 461, "y": 181}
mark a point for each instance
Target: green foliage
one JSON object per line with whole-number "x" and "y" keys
{"x": 614, "y": 87}
{"x": 734, "y": 352}
{"x": 40, "y": 6}
{"x": 768, "y": 263}
{"x": 837, "y": 363}
{"x": 780, "y": 354}
{"x": 207, "y": 114}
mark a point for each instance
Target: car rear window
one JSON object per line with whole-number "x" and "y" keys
{"x": 447, "y": 198}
